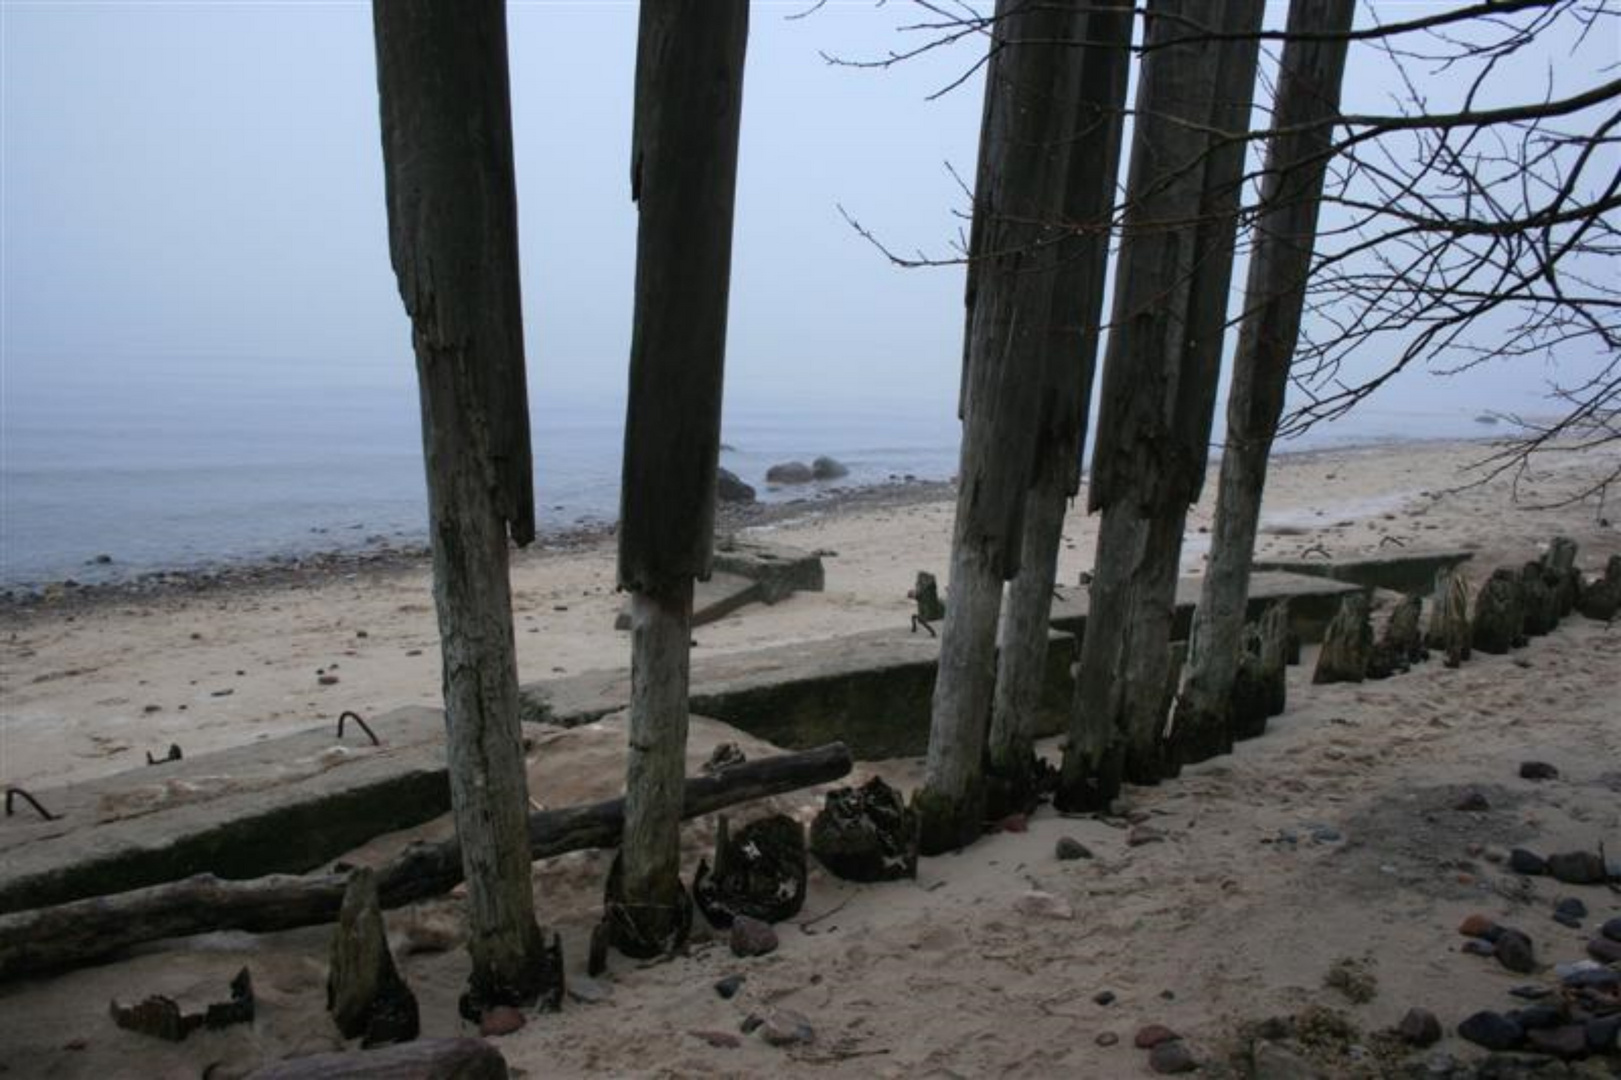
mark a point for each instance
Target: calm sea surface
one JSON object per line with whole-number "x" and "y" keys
{"x": 182, "y": 465}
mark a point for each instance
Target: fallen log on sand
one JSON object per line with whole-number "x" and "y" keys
{"x": 50, "y": 938}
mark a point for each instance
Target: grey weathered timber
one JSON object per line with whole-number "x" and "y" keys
{"x": 1348, "y": 645}
{"x": 44, "y": 939}
{"x": 1261, "y": 690}
{"x": 1499, "y": 619}
{"x": 365, "y": 995}
{"x": 1539, "y": 600}
{"x": 712, "y": 600}
{"x": 683, "y": 179}
{"x": 1559, "y": 570}
{"x": 744, "y": 572}
{"x": 1601, "y": 598}
{"x": 1024, "y": 146}
{"x": 1070, "y": 354}
{"x": 426, "y": 1059}
{"x": 1159, "y": 379}
{"x": 284, "y": 805}
{"x": 1400, "y": 571}
{"x": 1310, "y": 74}
{"x": 1401, "y": 645}
{"x": 453, "y": 239}
{"x": 1449, "y": 631}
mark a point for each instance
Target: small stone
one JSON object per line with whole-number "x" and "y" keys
{"x": 1513, "y": 951}
{"x": 1612, "y": 928}
{"x": 1043, "y": 905}
{"x": 784, "y": 1027}
{"x": 327, "y": 680}
{"x": 1476, "y": 925}
{"x": 1419, "y": 1027}
{"x": 1567, "y": 920}
{"x": 1572, "y": 906}
{"x": 723, "y": 1040}
{"x": 1472, "y": 803}
{"x": 501, "y": 1020}
{"x": 1492, "y": 1030}
{"x": 587, "y": 991}
{"x": 1604, "y": 1033}
{"x": 730, "y": 985}
{"x": 1538, "y": 770}
{"x": 1577, "y": 868}
{"x": 1106, "y": 1038}
{"x": 1526, "y": 862}
{"x": 1531, "y": 993}
{"x": 1103, "y": 997}
{"x": 1070, "y": 849}
{"x": 1325, "y": 834}
{"x": 1152, "y": 1035}
{"x": 720, "y": 1040}
{"x": 751, "y": 937}
{"x": 1143, "y": 834}
{"x": 1171, "y": 1057}
{"x": 1566, "y": 1042}
{"x": 1604, "y": 950}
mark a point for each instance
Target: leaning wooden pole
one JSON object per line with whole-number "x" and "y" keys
{"x": 1030, "y": 97}
{"x": 1159, "y": 379}
{"x": 82, "y": 931}
{"x": 689, "y": 101}
{"x": 1066, "y": 395}
{"x": 1308, "y": 94}
{"x": 453, "y": 239}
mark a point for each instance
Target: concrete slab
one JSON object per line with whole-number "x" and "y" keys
{"x": 1312, "y": 603}
{"x": 1400, "y": 571}
{"x": 747, "y": 572}
{"x": 286, "y": 804}
{"x": 871, "y": 690}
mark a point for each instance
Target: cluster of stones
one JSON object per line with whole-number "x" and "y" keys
{"x": 1513, "y": 605}
{"x": 1580, "y": 1018}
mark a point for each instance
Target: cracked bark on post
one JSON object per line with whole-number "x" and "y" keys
{"x": 1070, "y": 358}
{"x": 689, "y": 97}
{"x": 1310, "y": 76}
{"x": 453, "y": 240}
{"x": 1031, "y": 93}
{"x": 1159, "y": 381}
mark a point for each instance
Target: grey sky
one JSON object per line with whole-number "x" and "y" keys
{"x": 203, "y": 180}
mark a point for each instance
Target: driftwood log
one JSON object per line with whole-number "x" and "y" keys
{"x": 426, "y": 1059}
{"x": 50, "y": 938}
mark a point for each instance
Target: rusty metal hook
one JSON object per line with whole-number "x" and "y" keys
{"x": 348, "y": 714}
{"x": 13, "y": 792}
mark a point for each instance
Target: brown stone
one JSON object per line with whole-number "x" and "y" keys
{"x": 1152, "y": 1035}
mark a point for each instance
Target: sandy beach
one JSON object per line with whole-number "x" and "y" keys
{"x": 1330, "y": 844}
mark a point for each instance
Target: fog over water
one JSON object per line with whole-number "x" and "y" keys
{"x": 203, "y": 356}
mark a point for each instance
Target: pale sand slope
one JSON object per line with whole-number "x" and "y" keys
{"x": 944, "y": 976}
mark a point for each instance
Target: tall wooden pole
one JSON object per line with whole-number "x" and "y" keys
{"x": 1308, "y": 93}
{"x": 453, "y": 240}
{"x": 1030, "y": 100}
{"x": 689, "y": 101}
{"x": 1066, "y": 393}
{"x": 1159, "y": 379}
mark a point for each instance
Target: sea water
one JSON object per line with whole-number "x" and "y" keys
{"x": 183, "y": 464}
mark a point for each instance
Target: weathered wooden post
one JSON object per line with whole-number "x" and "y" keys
{"x": 1308, "y": 93}
{"x": 1030, "y": 99}
{"x": 453, "y": 240}
{"x": 1066, "y": 391}
{"x": 689, "y": 102}
{"x": 1159, "y": 378}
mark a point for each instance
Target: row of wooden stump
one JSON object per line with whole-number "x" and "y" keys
{"x": 1512, "y": 606}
